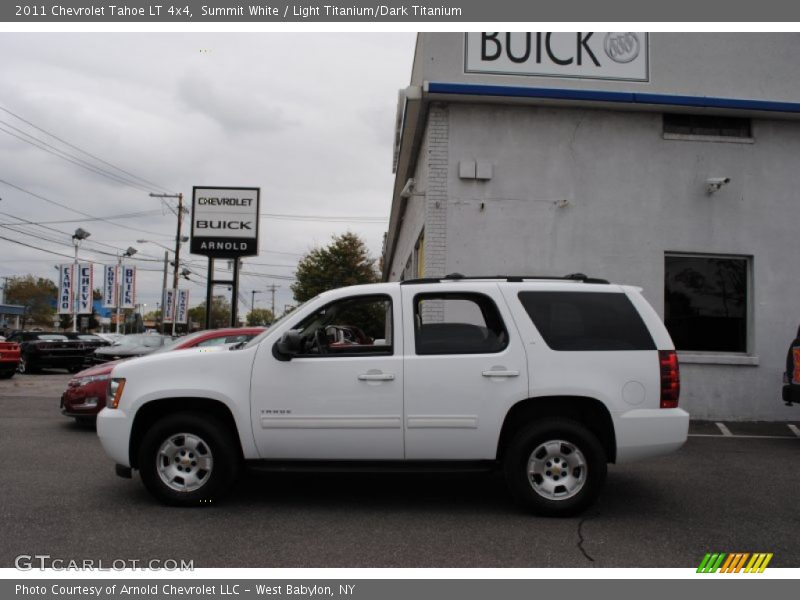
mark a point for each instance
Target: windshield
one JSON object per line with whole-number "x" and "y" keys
{"x": 256, "y": 340}
{"x": 186, "y": 339}
{"x": 142, "y": 339}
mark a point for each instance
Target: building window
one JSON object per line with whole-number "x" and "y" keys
{"x": 706, "y": 302}
{"x": 707, "y": 127}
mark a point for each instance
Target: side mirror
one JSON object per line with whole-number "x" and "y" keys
{"x": 290, "y": 344}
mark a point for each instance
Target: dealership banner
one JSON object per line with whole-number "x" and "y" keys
{"x": 85, "y": 281}
{"x": 110, "y": 286}
{"x": 65, "y": 289}
{"x": 128, "y": 275}
{"x": 169, "y": 305}
{"x": 182, "y": 307}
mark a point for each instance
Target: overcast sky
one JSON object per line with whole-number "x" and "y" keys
{"x": 308, "y": 118}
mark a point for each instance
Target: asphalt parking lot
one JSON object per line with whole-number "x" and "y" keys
{"x": 733, "y": 488}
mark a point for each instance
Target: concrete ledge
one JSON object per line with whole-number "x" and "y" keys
{"x": 700, "y": 358}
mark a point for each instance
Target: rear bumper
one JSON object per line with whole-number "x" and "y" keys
{"x": 114, "y": 431}
{"x": 645, "y": 433}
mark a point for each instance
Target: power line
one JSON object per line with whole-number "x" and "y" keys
{"x": 65, "y": 207}
{"x": 97, "y": 158}
{"x": 41, "y": 145}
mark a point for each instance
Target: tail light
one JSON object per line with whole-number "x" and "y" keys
{"x": 670, "y": 378}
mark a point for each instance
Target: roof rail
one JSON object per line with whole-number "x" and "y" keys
{"x": 510, "y": 278}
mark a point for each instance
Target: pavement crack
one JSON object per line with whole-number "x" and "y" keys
{"x": 581, "y": 539}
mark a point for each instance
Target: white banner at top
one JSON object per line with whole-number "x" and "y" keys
{"x": 65, "y": 298}
{"x": 85, "y": 281}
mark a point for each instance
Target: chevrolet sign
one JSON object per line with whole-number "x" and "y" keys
{"x": 225, "y": 221}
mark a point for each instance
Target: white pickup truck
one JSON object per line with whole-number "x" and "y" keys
{"x": 548, "y": 379}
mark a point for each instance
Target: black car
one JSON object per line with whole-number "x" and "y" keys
{"x": 91, "y": 342}
{"x": 45, "y": 349}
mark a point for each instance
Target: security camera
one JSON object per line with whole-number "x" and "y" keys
{"x": 713, "y": 184}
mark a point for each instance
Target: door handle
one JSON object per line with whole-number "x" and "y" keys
{"x": 376, "y": 377}
{"x": 500, "y": 373}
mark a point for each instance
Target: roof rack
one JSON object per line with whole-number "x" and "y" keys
{"x": 510, "y": 278}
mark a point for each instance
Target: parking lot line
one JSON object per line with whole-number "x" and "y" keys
{"x": 794, "y": 429}
{"x": 725, "y": 431}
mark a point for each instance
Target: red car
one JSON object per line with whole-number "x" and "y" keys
{"x": 9, "y": 358}
{"x": 85, "y": 395}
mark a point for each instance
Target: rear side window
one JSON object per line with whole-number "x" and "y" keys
{"x": 587, "y": 321}
{"x": 457, "y": 323}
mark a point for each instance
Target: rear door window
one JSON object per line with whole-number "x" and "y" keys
{"x": 457, "y": 323}
{"x": 587, "y": 321}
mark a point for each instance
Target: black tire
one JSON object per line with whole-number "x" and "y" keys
{"x": 26, "y": 366}
{"x": 570, "y": 470}
{"x": 215, "y": 439}
{"x": 7, "y": 373}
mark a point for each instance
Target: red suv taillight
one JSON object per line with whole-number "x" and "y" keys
{"x": 670, "y": 378}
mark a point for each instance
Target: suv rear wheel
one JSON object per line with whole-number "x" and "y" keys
{"x": 555, "y": 467}
{"x": 188, "y": 459}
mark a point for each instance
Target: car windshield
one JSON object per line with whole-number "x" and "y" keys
{"x": 186, "y": 339}
{"x": 142, "y": 339}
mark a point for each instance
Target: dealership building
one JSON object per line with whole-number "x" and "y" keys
{"x": 668, "y": 161}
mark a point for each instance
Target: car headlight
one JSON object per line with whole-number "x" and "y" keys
{"x": 91, "y": 379}
{"x": 115, "y": 387}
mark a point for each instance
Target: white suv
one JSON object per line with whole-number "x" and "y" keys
{"x": 549, "y": 379}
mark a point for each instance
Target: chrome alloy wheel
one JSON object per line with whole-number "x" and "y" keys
{"x": 557, "y": 470}
{"x": 184, "y": 462}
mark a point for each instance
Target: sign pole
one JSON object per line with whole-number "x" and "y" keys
{"x": 209, "y": 292}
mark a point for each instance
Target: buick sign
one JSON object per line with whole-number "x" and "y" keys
{"x": 225, "y": 221}
{"x": 621, "y": 56}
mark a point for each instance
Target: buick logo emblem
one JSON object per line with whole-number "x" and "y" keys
{"x": 622, "y": 47}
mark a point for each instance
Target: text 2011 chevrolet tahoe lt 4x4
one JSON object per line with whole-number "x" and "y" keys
{"x": 549, "y": 379}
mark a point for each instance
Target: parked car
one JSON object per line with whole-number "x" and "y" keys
{"x": 111, "y": 337}
{"x": 547, "y": 380}
{"x": 91, "y": 342}
{"x": 43, "y": 349}
{"x": 130, "y": 346}
{"x": 9, "y": 358}
{"x": 86, "y": 392}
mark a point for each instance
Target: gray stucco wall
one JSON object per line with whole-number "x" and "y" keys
{"x": 601, "y": 192}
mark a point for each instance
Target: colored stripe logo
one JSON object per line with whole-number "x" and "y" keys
{"x": 735, "y": 562}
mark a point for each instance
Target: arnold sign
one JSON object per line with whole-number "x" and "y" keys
{"x": 225, "y": 221}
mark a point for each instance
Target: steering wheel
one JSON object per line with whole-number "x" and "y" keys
{"x": 321, "y": 340}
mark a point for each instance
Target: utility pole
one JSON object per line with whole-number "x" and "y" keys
{"x": 179, "y": 196}
{"x": 253, "y": 298}
{"x": 272, "y": 289}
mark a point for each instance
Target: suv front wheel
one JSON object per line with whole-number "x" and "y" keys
{"x": 188, "y": 459}
{"x": 555, "y": 467}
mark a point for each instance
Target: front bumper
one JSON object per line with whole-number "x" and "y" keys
{"x": 649, "y": 432}
{"x": 114, "y": 431}
{"x": 85, "y": 400}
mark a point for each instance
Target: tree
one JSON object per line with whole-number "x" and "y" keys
{"x": 260, "y": 317}
{"x": 220, "y": 312}
{"x": 345, "y": 261}
{"x": 38, "y": 296}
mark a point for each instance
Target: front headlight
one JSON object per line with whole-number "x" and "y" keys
{"x": 115, "y": 387}
{"x": 91, "y": 379}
